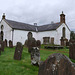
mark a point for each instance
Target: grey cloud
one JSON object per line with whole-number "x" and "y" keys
{"x": 40, "y": 11}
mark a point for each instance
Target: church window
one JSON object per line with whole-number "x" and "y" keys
{"x": 2, "y": 27}
{"x": 46, "y": 40}
{"x": 63, "y": 32}
{"x": 2, "y": 35}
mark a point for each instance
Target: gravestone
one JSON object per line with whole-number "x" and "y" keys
{"x": 35, "y": 56}
{"x": 31, "y": 42}
{"x": 5, "y": 43}
{"x": 10, "y": 44}
{"x": 0, "y": 43}
{"x": 63, "y": 41}
{"x": 18, "y": 51}
{"x": 72, "y": 49}
{"x": 38, "y": 43}
{"x": 67, "y": 43}
{"x": 2, "y": 46}
{"x": 25, "y": 44}
{"x": 57, "y": 64}
{"x": 0, "y": 49}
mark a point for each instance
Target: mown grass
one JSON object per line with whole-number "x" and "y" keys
{"x": 9, "y": 66}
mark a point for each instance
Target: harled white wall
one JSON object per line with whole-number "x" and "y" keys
{"x": 21, "y": 36}
{"x": 59, "y": 33}
{"x": 50, "y": 34}
{"x": 7, "y": 31}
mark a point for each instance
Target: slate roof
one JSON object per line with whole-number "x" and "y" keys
{"x": 49, "y": 27}
{"x": 28, "y": 27}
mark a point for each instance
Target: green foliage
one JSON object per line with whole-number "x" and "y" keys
{"x": 72, "y": 35}
{"x": 9, "y": 66}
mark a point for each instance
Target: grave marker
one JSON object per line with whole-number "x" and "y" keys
{"x": 57, "y": 64}
{"x": 31, "y": 42}
{"x": 5, "y": 43}
{"x": 72, "y": 49}
{"x": 10, "y": 44}
{"x": 35, "y": 56}
{"x": 38, "y": 43}
{"x": 2, "y": 46}
{"x": 18, "y": 51}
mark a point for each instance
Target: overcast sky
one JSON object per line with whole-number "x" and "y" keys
{"x": 39, "y": 11}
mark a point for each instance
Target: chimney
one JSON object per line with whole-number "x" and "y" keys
{"x": 35, "y": 24}
{"x": 52, "y": 22}
{"x": 62, "y": 18}
{"x": 3, "y": 16}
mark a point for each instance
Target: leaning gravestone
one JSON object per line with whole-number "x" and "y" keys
{"x": 35, "y": 56}
{"x": 18, "y": 51}
{"x": 72, "y": 49}
{"x": 57, "y": 64}
{"x": 10, "y": 44}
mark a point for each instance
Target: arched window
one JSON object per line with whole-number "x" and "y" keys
{"x": 2, "y": 35}
{"x": 2, "y": 27}
{"x": 63, "y": 32}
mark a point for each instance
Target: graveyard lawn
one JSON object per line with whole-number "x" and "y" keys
{"x": 9, "y": 66}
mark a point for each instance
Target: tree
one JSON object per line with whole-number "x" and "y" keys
{"x": 72, "y": 35}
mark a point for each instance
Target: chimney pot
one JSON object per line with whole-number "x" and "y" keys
{"x": 3, "y": 17}
{"x": 62, "y": 18}
{"x": 35, "y": 24}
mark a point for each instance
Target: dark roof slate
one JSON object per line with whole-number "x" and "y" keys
{"x": 28, "y": 27}
{"x": 21, "y": 26}
{"x": 48, "y": 27}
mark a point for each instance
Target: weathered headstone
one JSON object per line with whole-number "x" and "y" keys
{"x": 57, "y": 64}
{"x": 35, "y": 56}
{"x": 63, "y": 41}
{"x": 2, "y": 46}
{"x": 25, "y": 44}
{"x": 72, "y": 49}
{"x": 18, "y": 51}
{"x": 67, "y": 43}
{"x": 38, "y": 43}
{"x": 31, "y": 42}
{"x": 5, "y": 43}
{"x": 10, "y": 44}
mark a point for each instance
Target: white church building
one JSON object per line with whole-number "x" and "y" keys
{"x": 47, "y": 34}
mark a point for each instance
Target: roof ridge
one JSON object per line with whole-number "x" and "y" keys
{"x": 28, "y": 27}
{"x": 18, "y": 22}
{"x": 51, "y": 24}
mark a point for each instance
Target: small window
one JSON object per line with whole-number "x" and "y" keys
{"x": 46, "y": 40}
{"x": 63, "y": 32}
{"x": 52, "y": 40}
{"x": 2, "y": 35}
